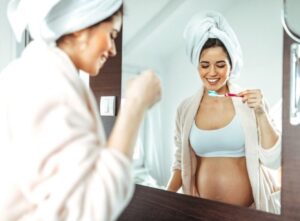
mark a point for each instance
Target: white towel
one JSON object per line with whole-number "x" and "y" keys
{"x": 47, "y": 20}
{"x": 213, "y": 25}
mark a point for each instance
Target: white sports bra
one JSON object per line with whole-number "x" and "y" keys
{"x": 228, "y": 141}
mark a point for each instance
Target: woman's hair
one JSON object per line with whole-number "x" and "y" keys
{"x": 215, "y": 42}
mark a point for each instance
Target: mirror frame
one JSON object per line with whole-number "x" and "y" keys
{"x": 289, "y": 31}
{"x": 153, "y": 204}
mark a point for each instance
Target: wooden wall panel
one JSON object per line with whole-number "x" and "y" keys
{"x": 291, "y": 147}
{"x": 108, "y": 83}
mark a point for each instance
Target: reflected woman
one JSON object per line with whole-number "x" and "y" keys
{"x": 227, "y": 148}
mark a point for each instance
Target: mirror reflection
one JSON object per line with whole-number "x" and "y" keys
{"x": 225, "y": 149}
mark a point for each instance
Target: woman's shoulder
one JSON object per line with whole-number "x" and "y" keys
{"x": 42, "y": 77}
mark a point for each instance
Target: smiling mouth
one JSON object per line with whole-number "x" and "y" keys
{"x": 212, "y": 81}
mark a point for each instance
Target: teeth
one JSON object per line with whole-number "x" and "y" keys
{"x": 212, "y": 80}
{"x": 102, "y": 60}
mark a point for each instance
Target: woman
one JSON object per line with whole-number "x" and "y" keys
{"x": 55, "y": 161}
{"x": 225, "y": 146}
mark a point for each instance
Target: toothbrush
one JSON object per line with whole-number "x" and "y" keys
{"x": 215, "y": 94}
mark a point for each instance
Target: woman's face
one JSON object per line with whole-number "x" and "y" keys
{"x": 214, "y": 68}
{"x": 98, "y": 45}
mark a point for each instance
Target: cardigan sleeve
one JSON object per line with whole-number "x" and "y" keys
{"x": 271, "y": 157}
{"x": 65, "y": 172}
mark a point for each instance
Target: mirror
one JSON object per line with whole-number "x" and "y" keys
{"x": 152, "y": 38}
{"x": 290, "y": 18}
{"x": 290, "y": 22}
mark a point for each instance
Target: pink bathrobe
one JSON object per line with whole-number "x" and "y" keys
{"x": 53, "y": 161}
{"x": 260, "y": 162}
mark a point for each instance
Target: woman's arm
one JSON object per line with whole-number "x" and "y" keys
{"x": 268, "y": 134}
{"x": 175, "y": 182}
{"x": 142, "y": 93}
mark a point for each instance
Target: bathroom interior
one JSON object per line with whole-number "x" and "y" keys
{"x": 269, "y": 34}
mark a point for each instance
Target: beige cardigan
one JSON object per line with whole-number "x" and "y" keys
{"x": 53, "y": 161}
{"x": 258, "y": 160}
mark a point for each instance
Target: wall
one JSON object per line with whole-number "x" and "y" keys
{"x": 7, "y": 41}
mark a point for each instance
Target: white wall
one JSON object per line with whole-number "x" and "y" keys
{"x": 8, "y": 47}
{"x": 260, "y": 34}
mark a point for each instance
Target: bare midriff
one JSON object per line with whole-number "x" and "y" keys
{"x": 224, "y": 179}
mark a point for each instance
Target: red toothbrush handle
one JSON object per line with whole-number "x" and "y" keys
{"x": 231, "y": 95}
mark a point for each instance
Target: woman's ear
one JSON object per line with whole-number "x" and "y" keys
{"x": 74, "y": 41}
{"x": 81, "y": 38}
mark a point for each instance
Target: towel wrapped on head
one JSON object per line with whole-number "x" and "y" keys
{"x": 48, "y": 20}
{"x": 213, "y": 25}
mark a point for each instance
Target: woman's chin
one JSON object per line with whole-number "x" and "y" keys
{"x": 214, "y": 87}
{"x": 96, "y": 71}
{"x": 94, "y": 74}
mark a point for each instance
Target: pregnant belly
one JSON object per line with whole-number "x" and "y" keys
{"x": 224, "y": 180}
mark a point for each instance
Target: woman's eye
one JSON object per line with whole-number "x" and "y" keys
{"x": 204, "y": 66}
{"x": 220, "y": 64}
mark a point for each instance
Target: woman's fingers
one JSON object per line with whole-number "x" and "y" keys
{"x": 145, "y": 88}
{"x": 253, "y": 98}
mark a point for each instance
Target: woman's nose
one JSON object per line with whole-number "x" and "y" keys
{"x": 212, "y": 71}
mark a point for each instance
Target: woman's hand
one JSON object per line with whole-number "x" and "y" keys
{"x": 254, "y": 99}
{"x": 268, "y": 135}
{"x": 145, "y": 89}
{"x": 142, "y": 92}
